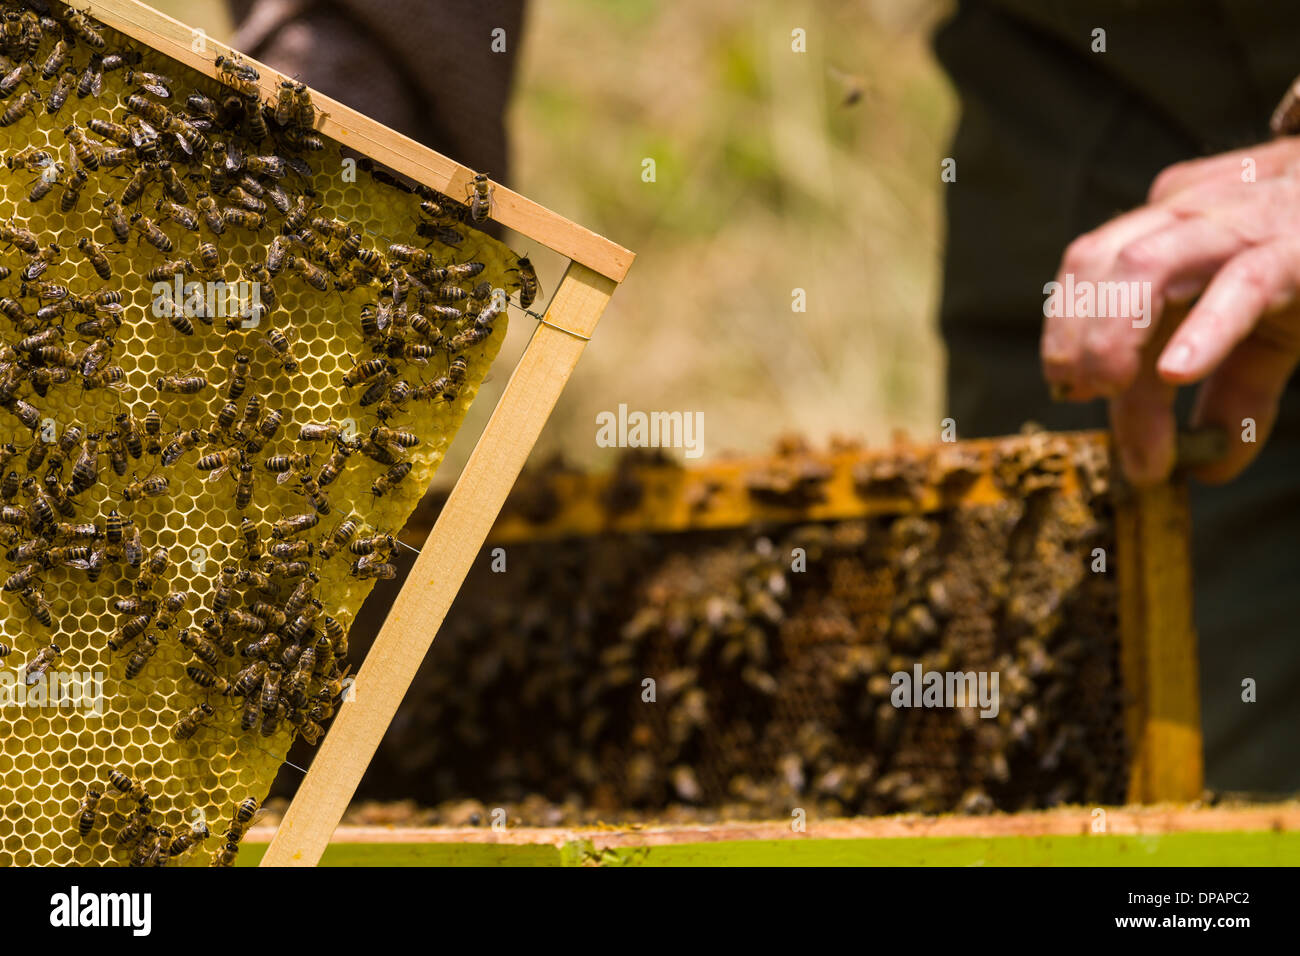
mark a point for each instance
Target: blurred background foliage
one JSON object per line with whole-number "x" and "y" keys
{"x": 775, "y": 170}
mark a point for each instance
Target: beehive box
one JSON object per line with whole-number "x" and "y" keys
{"x": 306, "y": 356}
{"x": 771, "y": 601}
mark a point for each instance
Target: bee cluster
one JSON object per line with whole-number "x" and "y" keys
{"x": 772, "y": 652}
{"x": 198, "y": 491}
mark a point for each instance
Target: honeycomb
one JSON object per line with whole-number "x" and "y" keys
{"x": 52, "y": 756}
{"x": 772, "y": 683}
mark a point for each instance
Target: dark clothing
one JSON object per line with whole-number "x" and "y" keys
{"x": 425, "y": 68}
{"x": 1055, "y": 139}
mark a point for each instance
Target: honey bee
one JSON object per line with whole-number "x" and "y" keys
{"x": 313, "y": 275}
{"x": 219, "y": 462}
{"x": 116, "y": 219}
{"x": 168, "y": 269}
{"x": 187, "y": 726}
{"x": 91, "y": 81}
{"x": 243, "y": 218}
{"x": 87, "y": 153}
{"x": 202, "y": 648}
{"x": 29, "y": 158}
{"x": 81, "y": 25}
{"x": 15, "y": 77}
{"x": 528, "y": 284}
{"x": 60, "y": 91}
{"x": 87, "y": 811}
{"x": 225, "y": 854}
{"x": 209, "y": 258}
{"x": 150, "y": 487}
{"x": 35, "y": 602}
{"x": 134, "y": 828}
{"x": 244, "y": 486}
{"x": 149, "y": 230}
{"x": 390, "y": 436}
{"x": 154, "y": 83}
{"x": 282, "y": 344}
{"x": 141, "y": 656}
{"x": 20, "y": 107}
{"x": 183, "y": 442}
{"x": 181, "y": 384}
{"x": 249, "y": 716}
{"x": 181, "y": 215}
{"x": 209, "y": 680}
{"x": 480, "y": 205}
{"x": 294, "y": 524}
{"x": 173, "y": 183}
{"x": 210, "y": 215}
{"x": 366, "y": 371}
{"x": 333, "y": 466}
{"x": 373, "y": 566}
{"x": 85, "y": 471}
{"x": 94, "y": 254}
{"x": 45, "y": 658}
{"x": 120, "y": 782}
{"x": 148, "y": 851}
{"x": 189, "y": 838}
{"x": 385, "y": 483}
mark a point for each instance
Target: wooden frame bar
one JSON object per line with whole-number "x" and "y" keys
{"x": 596, "y": 267}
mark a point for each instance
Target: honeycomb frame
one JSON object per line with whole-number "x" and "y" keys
{"x": 45, "y": 782}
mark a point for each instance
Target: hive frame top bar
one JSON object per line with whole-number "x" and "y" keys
{"x": 350, "y": 128}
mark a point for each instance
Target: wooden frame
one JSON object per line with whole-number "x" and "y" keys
{"x": 1158, "y": 665}
{"x": 596, "y": 268}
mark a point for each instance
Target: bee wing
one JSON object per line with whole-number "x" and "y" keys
{"x": 216, "y": 473}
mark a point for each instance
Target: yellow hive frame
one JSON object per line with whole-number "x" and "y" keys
{"x": 596, "y": 268}
{"x": 1152, "y": 562}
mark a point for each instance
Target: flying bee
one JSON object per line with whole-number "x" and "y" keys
{"x": 47, "y": 657}
{"x": 480, "y": 205}
{"x": 387, "y": 481}
{"x": 94, "y": 254}
{"x": 190, "y": 722}
{"x": 178, "y": 446}
{"x": 88, "y": 811}
{"x": 183, "y": 216}
{"x": 181, "y": 384}
{"x": 81, "y": 25}
{"x": 150, "y": 487}
{"x": 149, "y": 230}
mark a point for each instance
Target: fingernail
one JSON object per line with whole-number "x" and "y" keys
{"x": 1177, "y": 358}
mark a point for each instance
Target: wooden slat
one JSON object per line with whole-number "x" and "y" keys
{"x": 440, "y": 568}
{"x": 1159, "y": 659}
{"x": 719, "y": 494}
{"x": 350, "y": 128}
